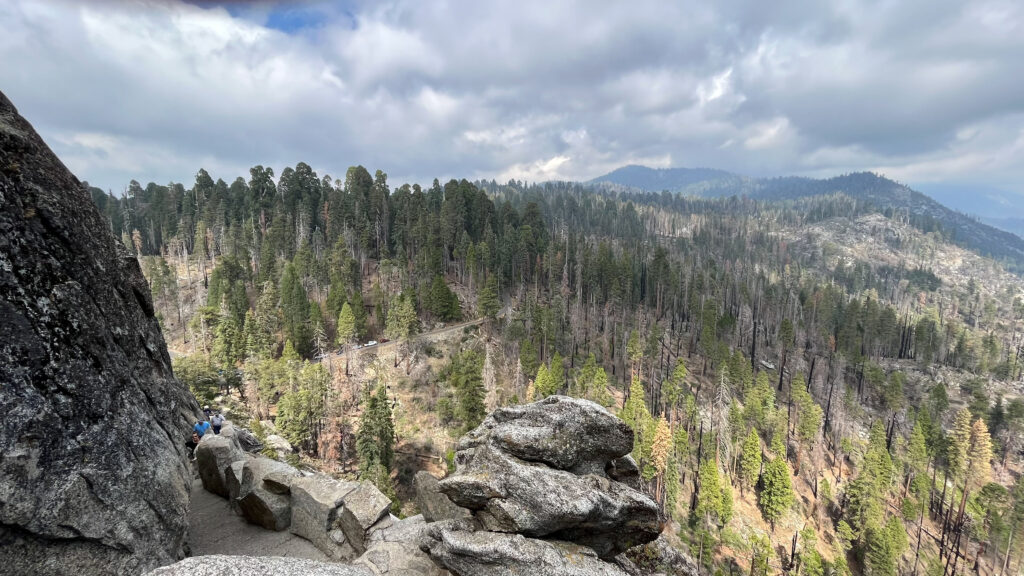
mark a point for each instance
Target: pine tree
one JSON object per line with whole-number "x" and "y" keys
{"x": 556, "y": 372}
{"x": 638, "y": 417}
{"x": 226, "y": 340}
{"x": 776, "y": 495}
{"x": 543, "y": 384}
{"x": 375, "y": 439}
{"x": 359, "y": 314}
{"x": 917, "y": 452}
{"x": 959, "y": 443}
{"x": 346, "y": 331}
{"x": 750, "y": 460}
{"x": 709, "y": 497}
{"x": 674, "y": 388}
{"x": 487, "y": 299}
{"x": 661, "y": 450}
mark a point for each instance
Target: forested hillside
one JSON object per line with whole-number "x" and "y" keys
{"x": 879, "y": 192}
{"x": 817, "y": 383}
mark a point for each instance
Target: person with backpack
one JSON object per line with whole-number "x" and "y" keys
{"x": 217, "y": 422}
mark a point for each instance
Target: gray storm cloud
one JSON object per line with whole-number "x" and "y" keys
{"x": 922, "y": 91}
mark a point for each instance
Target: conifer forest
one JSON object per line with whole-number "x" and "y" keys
{"x": 817, "y": 384}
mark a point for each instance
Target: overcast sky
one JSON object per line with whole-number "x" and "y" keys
{"x": 930, "y": 92}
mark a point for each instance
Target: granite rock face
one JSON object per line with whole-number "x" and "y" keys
{"x": 94, "y": 475}
{"x": 256, "y": 566}
{"x": 392, "y": 548}
{"x": 316, "y": 504}
{"x": 564, "y": 433}
{"x": 262, "y": 504}
{"x": 433, "y": 504}
{"x": 541, "y": 483}
{"x": 469, "y": 552}
{"x": 561, "y": 492}
{"x": 214, "y": 455}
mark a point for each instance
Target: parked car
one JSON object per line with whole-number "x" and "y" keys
{"x": 371, "y": 343}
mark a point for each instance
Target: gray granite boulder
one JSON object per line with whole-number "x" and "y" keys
{"x": 469, "y": 552}
{"x": 362, "y": 508}
{"x": 261, "y": 506}
{"x": 279, "y": 445}
{"x": 213, "y": 457}
{"x": 392, "y": 547}
{"x": 432, "y": 503}
{"x": 507, "y": 494}
{"x": 565, "y": 433}
{"x": 625, "y": 470}
{"x": 316, "y": 503}
{"x": 233, "y": 480}
{"x": 247, "y": 440}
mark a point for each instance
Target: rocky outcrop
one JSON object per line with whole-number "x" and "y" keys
{"x": 335, "y": 515}
{"x": 657, "y": 557}
{"x": 233, "y": 481}
{"x": 470, "y": 552}
{"x": 263, "y": 503}
{"x": 393, "y": 550}
{"x": 361, "y": 509}
{"x": 316, "y": 501}
{"x": 433, "y": 504}
{"x": 398, "y": 559}
{"x": 247, "y": 440}
{"x": 256, "y": 566}
{"x": 279, "y": 445}
{"x": 536, "y": 480}
{"x": 214, "y": 455}
{"x": 94, "y": 475}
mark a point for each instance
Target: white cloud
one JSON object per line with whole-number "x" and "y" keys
{"x": 152, "y": 90}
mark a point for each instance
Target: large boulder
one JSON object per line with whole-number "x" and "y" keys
{"x": 213, "y": 457}
{"x": 262, "y": 506}
{"x": 434, "y": 504}
{"x": 657, "y": 556}
{"x": 398, "y": 559}
{"x": 336, "y": 516}
{"x": 247, "y": 440}
{"x": 94, "y": 473}
{"x": 625, "y": 470}
{"x": 562, "y": 491}
{"x": 279, "y": 445}
{"x": 233, "y": 479}
{"x": 217, "y": 565}
{"x": 392, "y": 547}
{"x": 361, "y": 509}
{"x": 565, "y": 433}
{"x": 316, "y": 503}
{"x": 469, "y": 552}
{"x": 509, "y": 495}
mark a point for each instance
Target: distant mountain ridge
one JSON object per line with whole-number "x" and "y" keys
{"x": 884, "y": 194}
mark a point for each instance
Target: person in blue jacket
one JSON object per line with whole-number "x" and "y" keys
{"x": 201, "y": 427}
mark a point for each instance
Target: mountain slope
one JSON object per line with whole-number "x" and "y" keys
{"x": 882, "y": 193}
{"x": 672, "y": 179}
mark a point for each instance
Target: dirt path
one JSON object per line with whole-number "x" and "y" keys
{"x": 215, "y": 529}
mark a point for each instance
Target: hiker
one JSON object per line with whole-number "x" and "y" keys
{"x": 217, "y": 422}
{"x": 207, "y": 411}
{"x": 191, "y": 444}
{"x": 201, "y": 427}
